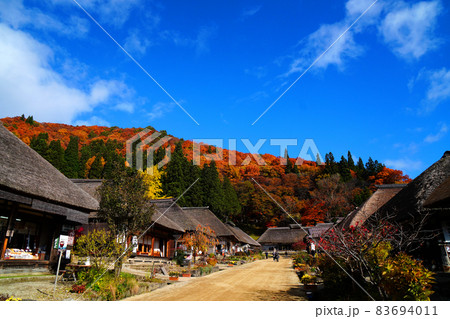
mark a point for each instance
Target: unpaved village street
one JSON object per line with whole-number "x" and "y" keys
{"x": 260, "y": 280}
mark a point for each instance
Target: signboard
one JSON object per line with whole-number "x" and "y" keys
{"x": 134, "y": 241}
{"x": 71, "y": 239}
{"x": 63, "y": 239}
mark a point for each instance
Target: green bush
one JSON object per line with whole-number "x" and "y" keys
{"x": 179, "y": 258}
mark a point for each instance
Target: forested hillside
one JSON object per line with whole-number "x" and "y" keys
{"x": 311, "y": 193}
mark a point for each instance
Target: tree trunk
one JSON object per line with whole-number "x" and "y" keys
{"x": 118, "y": 267}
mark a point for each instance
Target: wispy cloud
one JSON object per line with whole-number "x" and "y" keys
{"x": 409, "y": 29}
{"x": 94, "y": 120}
{"x": 200, "y": 42}
{"x": 137, "y": 43}
{"x": 404, "y": 164}
{"x": 160, "y": 109}
{"x": 439, "y": 89}
{"x": 250, "y": 11}
{"x": 343, "y": 50}
{"x": 432, "y": 138}
{"x": 16, "y": 15}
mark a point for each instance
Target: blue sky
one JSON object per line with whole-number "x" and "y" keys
{"x": 382, "y": 90}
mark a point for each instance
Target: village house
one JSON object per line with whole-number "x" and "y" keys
{"x": 380, "y": 197}
{"x": 169, "y": 222}
{"x": 37, "y": 205}
{"x": 426, "y": 199}
{"x": 281, "y": 238}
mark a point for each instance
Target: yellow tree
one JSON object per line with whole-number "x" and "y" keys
{"x": 152, "y": 181}
{"x": 200, "y": 240}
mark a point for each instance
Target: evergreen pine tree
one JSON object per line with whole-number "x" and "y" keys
{"x": 351, "y": 163}
{"x": 344, "y": 170}
{"x": 231, "y": 201}
{"x": 96, "y": 168}
{"x": 330, "y": 164}
{"x": 212, "y": 189}
{"x": 71, "y": 155}
{"x": 40, "y": 144}
{"x": 86, "y": 154}
{"x": 55, "y": 155}
{"x": 173, "y": 181}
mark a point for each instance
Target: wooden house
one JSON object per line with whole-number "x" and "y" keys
{"x": 380, "y": 197}
{"x": 244, "y": 241}
{"x": 37, "y": 205}
{"x": 281, "y": 238}
{"x": 426, "y": 198}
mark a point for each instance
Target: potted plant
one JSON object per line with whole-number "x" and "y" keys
{"x": 309, "y": 281}
{"x": 186, "y": 273}
{"x": 173, "y": 275}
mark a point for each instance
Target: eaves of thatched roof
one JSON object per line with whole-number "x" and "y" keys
{"x": 242, "y": 236}
{"x": 440, "y": 197}
{"x": 25, "y": 172}
{"x": 411, "y": 199}
{"x": 318, "y": 230}
{"x": 207, "y": 219}
{"x": 381, "y": 196}
{"x": 175, "y": 214}
{"x": 281, "y": 235}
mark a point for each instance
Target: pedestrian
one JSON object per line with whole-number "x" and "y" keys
{"x": 313, "y": 249}
{"x": 277, "y": 256}
{"x": 267, "y": 254}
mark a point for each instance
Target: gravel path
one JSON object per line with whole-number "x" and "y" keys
{"x": 260, "y": 280}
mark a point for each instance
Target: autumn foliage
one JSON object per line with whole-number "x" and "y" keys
{"x": 311, "y": 193}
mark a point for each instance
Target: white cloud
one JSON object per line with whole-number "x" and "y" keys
{"x": 432, "y": 138}
{"x": 160, "y": 109}
{"x": 29, "y": 85}
{"x": 250, "y": 11}
{"x": 404, "y": 164}
{"x": 16, "y": 15}
{"x": 439, "y": 88}
{"x": 317, "y": 42}
{"x": 346, "y": 47}
{"x": 125, "y": 106}
{"x": 199, "y": 43}
{"x": 94, "y": 120}
{"x": 111, "y": 12}
{"x": 136, "y": 43}
{"x": 408, "y": 29}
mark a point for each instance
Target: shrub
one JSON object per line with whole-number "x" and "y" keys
{"x": 174, "y": 274}
{"x": 111, "y": 288}
{"x": 404, "y": 278}
{"x": 179, "y": 258}
{"x": 79, "y": 289}
{"x": 211, "y": 261}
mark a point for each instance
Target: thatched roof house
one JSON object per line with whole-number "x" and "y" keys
{"x": 380, "y": 197}
{"x": 242, "y": 237}
{"x": 440, "y": 197}
{"x": 281, "y": 237}
{"x": 411, "y": 199}
{"x": 206, "y": 218}
{"x": 317, "y": 231}
{"x": 25, "y": 173}
{"x": 37, "y": 203}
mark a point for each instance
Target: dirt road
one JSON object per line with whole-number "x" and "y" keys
{"x": 260, "y": 280}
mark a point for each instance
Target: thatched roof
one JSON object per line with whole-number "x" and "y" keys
{"x": 318, "y": 230}
{"x": 410, "y": 200}
{"x": 25, "y": 172}
{"x": 381, "y": 196}
{"x": 208, "y": 219}
{"x": 176, "y": 214}
{"x": 440, "y": 197}
{"x": 90, "y": 186}
{"x": 243, "y": 237}
{"x": 281, "y": 235}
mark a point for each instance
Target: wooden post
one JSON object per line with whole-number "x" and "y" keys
{"x": 153, "y": 245}
{"x": 9, "y": 229}
{"x": 5, "y": 244}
